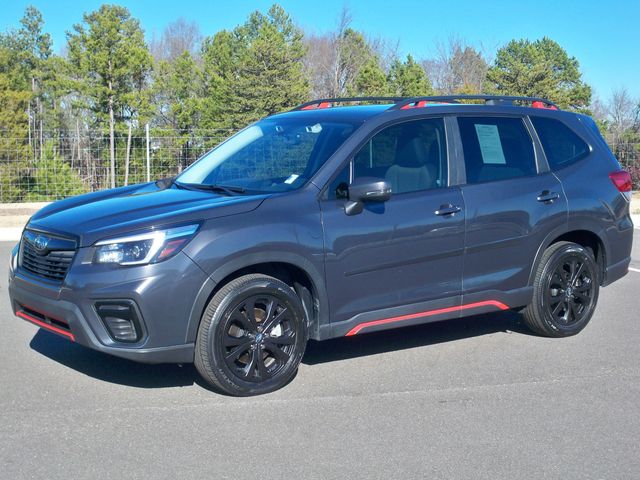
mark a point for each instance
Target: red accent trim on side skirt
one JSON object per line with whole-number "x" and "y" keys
{"x": 46, "y": 326}
{"x": 494, "y": 303}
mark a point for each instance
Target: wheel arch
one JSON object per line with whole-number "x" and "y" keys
{"x": 293, "y": 269}
{"x": 586, "y": 237}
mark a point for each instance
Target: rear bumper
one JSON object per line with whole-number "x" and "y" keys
{"x": 616, "y": 271}
{"x": 161, "y": 294}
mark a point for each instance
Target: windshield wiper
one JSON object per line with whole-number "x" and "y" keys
{"x": 165, "y": 183}
{"x": 226, "y": 189}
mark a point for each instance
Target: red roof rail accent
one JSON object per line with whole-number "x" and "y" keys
{"x": 538, "y": 104}
{"x": 418, "y": 104}
{"x": 317, "y": 105}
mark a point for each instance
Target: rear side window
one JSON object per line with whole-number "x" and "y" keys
{"x": 496, "y": 148}
{"x": 561, "y": 145}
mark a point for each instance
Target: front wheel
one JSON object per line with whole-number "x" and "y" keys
{"x": 252, "y": 336}
{"x": 565, "y": 291}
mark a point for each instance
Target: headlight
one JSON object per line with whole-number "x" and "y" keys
{"x": 144, "y": 248}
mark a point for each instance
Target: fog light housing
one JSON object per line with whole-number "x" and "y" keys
{"x": 121, "y": 319}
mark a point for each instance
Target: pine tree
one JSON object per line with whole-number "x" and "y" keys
{"x": 179, "y": 97}
{"x": 29, "y": 51}
{"x": 539, "y": 69}
{"x": 255, "y": 70}
{"x": 113, "y": 63}
{"x": 370, "y": 81}
{"x": 408, "y": 79}
{"x": 14, "y": 99}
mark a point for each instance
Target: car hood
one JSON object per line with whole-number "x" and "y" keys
{"x": 95, "y": 216}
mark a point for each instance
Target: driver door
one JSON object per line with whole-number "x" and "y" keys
{"x": 403, "y": 256}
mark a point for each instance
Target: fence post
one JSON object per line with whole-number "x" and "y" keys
{"x": 148, "y": 157}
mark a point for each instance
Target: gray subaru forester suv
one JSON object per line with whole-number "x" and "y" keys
{"x": 339, "y": 218}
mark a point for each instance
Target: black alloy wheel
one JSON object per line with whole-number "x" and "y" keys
{"x": 570, "y": 290}
{"x": 566, "y": 288}
{"x": 252, "y": 336}
{"x": 258, "y": 338}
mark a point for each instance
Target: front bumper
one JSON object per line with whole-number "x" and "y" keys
{"x": 163, "y": 293}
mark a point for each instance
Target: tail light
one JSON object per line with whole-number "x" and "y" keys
{"x": 622, "y": 180}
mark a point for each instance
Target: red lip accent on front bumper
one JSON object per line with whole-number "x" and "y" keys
{"x": 46, "y": 326}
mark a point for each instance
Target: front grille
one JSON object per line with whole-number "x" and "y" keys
{"x": 52, "y": 263}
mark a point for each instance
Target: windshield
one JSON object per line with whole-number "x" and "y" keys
{"x": 273, "y": 155}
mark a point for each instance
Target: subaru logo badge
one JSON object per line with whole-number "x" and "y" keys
{"x": 40, "y": 243}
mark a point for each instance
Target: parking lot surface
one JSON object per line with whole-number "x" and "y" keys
{"x": 477, "y": 398}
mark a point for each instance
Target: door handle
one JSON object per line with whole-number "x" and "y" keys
{"x": 447, "y": 209}
{"x": 548, "y": 197}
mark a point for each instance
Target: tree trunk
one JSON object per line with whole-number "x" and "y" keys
{"x": 78, "y": 144}
{"x": 112, "y": 142}
{"x": 148, "y": 156}
{"x": 32, "y": 143}
{"x": 41, "y": 139}
{"x": 126, "y": 162}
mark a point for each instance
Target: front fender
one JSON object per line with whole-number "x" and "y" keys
{"x": 245, "y": 260}
{"x": 284, "y": 229}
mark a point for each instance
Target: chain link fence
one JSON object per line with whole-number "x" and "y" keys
{"x": 55, "y": 167}
{"x": 628, "y": 154}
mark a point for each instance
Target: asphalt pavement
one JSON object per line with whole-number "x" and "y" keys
{"x": 476, "y": 398}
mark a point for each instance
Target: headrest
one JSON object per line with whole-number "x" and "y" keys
{"x": 412, "y": 153}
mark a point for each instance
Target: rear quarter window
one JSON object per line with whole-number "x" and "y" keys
{"x": 562, "y": 146}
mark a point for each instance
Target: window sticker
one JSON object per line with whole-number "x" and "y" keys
{"x": 292, "y": 178}
{"x": 490, "y": 146}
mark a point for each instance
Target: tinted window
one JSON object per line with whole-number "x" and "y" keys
{"x": 411, "y": 156}
{"x": 561, "y": 145}
{"x": 339, "y": 186}
{"x": 496, "y": 148}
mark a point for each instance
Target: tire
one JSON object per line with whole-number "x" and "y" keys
{"x": 565, "y": 291}
{"x": 251, "y": 337}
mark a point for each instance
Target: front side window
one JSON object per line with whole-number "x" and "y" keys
{"x": 411, "y": 156}
{"x": 561, "y": 145}
{"x": 339, "y": 186}
{"x": 496, "y": 148}
{"x": 273, "y": 155}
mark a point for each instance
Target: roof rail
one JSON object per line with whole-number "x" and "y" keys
{"x": 329, "y": 102}
{"x": 488, "y": 100}
{"x": 403, "y": 103}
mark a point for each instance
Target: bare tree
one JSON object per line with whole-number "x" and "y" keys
{"x": 599, "y": 109}
{"x": 385, "y": 49}
{"x": 334, "y": 59}
{"x": 457, "y": 67}
{"x": 177, "y": 37}
{"x": 622, "y": 112}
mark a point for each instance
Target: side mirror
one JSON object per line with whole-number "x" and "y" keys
{"x": 366, "y": 189}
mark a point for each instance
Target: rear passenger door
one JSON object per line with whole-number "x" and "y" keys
{"x": 512, "y": 202}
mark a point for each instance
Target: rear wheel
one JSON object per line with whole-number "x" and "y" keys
{"x": 252, "y": 336}
{"x": 565, "y": 291}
